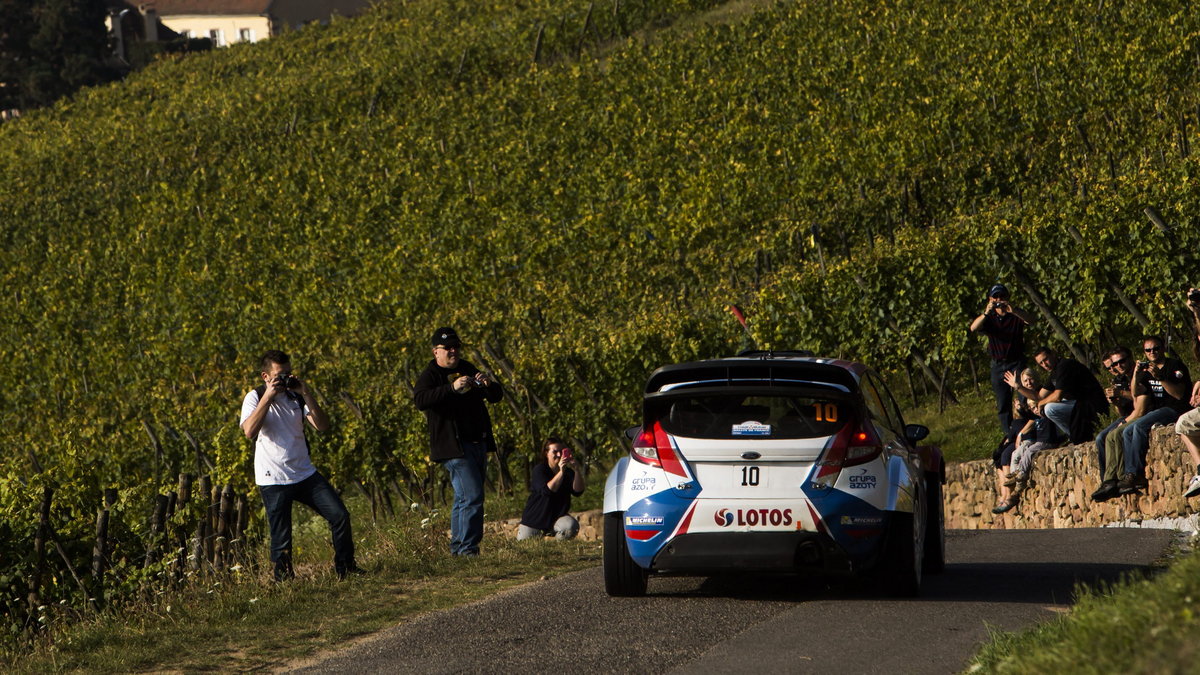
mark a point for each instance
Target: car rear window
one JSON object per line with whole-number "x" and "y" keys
{"x": 743, "y": 417}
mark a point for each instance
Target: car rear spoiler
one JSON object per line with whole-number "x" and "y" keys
{"x": 745, "y": 371}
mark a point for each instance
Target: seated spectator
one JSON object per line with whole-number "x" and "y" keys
{"x": 1021, "y": 418}
{"x": 552, "y": 483}
{"x": 1188, "y": 428}
{"x": 1002, "y": 457}
{"x": 1119, "y": 363}
{"x": 1075, "y": 397}
{"x": 1167, "y": 385}
{"x": 1037, "y": 434}
{"x": 1188, "y": 424}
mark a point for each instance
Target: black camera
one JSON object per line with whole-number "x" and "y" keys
{"x": 1194, "y": 297}
{"x": 478, "y": 380}
{"x": 1143, "y": 364}
{"x": 287, "y": 381}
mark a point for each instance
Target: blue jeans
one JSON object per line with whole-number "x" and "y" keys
{"x": 316, "y": 493}
{"x": 466, "y": 477}
{"x": 1059, "y": 412}
{"x": 1003, "y": 392}
{"x": 1100, "y": 448}
{"x": 1137, "y": 438}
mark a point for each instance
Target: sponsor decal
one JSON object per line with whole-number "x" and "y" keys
{"x": 753, "y": 517}
{"x": 751, "y": 428}
{"x": 863, "y": 481}
{"x": 640, "y": 484}
{"x": 643, "y": 520}
{"x": 862, "y": 520}
{"x": 723, "y": 517}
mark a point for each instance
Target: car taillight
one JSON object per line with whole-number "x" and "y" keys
{"x": 653, "y": 447}
{"x": 852, "y": 445}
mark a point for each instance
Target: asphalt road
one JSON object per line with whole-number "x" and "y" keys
{"x": 998, "y": 579}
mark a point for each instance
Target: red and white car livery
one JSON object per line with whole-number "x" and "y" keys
{"x": 772, "y": 461}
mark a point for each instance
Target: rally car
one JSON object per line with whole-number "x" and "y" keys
{"x": 773, "y": 462}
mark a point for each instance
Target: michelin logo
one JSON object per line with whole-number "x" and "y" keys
{"x": 643, "y": 520}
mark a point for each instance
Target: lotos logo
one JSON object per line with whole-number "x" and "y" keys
{"x": 723, "y": 517}
{"x": 753, "y": 517}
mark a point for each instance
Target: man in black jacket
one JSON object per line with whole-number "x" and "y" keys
{"x": 452, "y": 393}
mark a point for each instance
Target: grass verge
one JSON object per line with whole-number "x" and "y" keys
{"x": 248, "y": 623}
{"x": 964, "y": 432}
{"x": 1136, "y": 626}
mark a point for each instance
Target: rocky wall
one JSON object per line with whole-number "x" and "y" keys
{"x": 1064, "y": 479}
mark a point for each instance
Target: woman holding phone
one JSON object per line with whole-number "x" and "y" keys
{"x": 553, "y": 482}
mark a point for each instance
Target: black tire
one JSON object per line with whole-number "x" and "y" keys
{"x": 901, "y": 572}
{"x": 622, "y": 577}
{"x": 935, "y": 526}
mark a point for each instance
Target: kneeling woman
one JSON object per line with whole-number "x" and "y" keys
{"x": 554, "y": 481}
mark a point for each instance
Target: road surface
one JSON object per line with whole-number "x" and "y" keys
{"x": 999, "y": 579}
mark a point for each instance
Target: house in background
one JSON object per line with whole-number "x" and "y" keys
{"x": 228, "y": 21}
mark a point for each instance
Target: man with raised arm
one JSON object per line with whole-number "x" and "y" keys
{"x": 1168, "y": 386}
{"x": 453, "y": 395}
{"x": 1004, "y": 326}
{"x": 1109, "y": 454}
{"x": 273, "y": 416}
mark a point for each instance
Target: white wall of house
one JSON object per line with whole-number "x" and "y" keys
{"x": 224, "y": 30}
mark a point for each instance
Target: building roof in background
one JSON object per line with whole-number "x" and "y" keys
{"x": 215, "y": 7}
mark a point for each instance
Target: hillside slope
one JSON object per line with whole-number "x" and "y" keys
{"x": 580, "y": 218}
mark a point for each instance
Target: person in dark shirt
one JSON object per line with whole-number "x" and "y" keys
{"x": 1188, "y": 424}
{"x": 1168, "y": 386}
{"x": 553, "y": 482}
{"x": 1119, "y": 363}
{"x": 1004, "y": 326}
{"x": 1075, "y": 399}
{"x": 453, "y": 395}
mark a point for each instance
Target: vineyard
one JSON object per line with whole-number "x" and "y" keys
{"x": 582, "y": 201}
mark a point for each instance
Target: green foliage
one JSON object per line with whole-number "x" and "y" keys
{"x": 581, "y": 204}
{"x": 49, "y": 49}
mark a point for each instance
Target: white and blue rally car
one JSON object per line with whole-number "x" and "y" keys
{"x": 773, "y": 462}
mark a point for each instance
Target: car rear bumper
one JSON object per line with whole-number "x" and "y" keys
{"x": 711, "y": 552}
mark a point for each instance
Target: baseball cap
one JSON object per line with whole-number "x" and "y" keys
{"x": 445, "y": 336}
{"x": 998, "y": 291}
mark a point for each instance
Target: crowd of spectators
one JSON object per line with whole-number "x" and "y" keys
{"x": 1070, "y": 403}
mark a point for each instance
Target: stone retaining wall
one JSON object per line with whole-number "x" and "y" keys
{"x": 1064, "y": 479}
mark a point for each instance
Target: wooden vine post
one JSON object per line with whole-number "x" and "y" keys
{"x": 39, "y": 551}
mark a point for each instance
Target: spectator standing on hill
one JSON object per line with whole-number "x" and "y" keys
{"x": 453, "y": 395}
{"x": 1188, "y": 424}
{"x": 1168, "y": 385}
{"x": 273, "y": 417}
{"x": 1119, "y": 363}
{"x": 553, "y": 482}
{"x": 1075, "y": 399}
{"x": 1004, "y": 326}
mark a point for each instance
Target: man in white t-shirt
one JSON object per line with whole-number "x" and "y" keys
{"x": 273, "y": 417}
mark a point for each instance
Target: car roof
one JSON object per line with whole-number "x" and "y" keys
{"x": 788, "y": 367}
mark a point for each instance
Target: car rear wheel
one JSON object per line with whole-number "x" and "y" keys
{"x": 935, "y": 525}
{"x": 622, "y": 576}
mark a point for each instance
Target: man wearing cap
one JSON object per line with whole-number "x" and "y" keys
{"x": 1004, "y": 326}
{"x": 452, "y": 394}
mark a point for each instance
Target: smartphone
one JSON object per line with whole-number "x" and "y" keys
{"x": 566, "y": 454}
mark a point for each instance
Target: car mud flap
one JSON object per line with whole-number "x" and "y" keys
{"x": 854, "y": 525}
{"x": 655, "y": 520}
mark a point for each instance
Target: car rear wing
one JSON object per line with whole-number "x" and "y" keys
{"x": 754, "y": 372}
